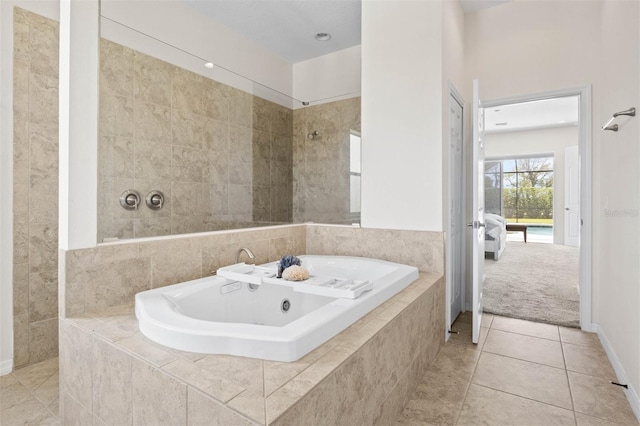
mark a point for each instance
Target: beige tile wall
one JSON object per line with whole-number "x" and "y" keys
{"x": 321, "y": 166}
{"x": 35, "y": 188}
{"x": 106, "y": 366}
{"x": 222, "y": 157}
{"x": 112, "y": 274}
{"x": 112, "y": 374}
{"x": 422, "y": 249}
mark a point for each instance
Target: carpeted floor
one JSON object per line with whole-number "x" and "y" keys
{"x": 536, "y": 282}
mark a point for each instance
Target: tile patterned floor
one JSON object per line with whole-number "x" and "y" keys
{"x": 30, "y": 395}
{"x": 521, "y": 373}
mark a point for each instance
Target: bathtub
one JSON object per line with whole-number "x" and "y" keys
{"x": 216, "y": 315}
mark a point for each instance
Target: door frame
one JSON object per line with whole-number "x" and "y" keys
{"x": 585, "y": 144}
{"x": 461, "y": 168}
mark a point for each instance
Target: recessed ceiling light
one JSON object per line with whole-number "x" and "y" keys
{"x": 496, "y": 110}
{"x": 209, "y": 65}
{"x": 502, "y": 124}
{"x": 323, "y": 36}
{"x": 562, "y": 121}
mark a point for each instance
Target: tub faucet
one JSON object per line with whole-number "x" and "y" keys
{"x": 246, "y": 250}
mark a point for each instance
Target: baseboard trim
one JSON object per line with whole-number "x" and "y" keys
{"x": 6, "y": 367}
{"x": 632, "y": 395}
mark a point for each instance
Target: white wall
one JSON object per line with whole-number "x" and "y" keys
{"x": 452, "y": 73}
{"x": 618, "y": 250}
{"x": 328, "y": 78}
{"x": 524, "y": 47}
{"x": 49, "y": 9}
{"x": 402, "y": 115}
{"x": 541, "y": 141}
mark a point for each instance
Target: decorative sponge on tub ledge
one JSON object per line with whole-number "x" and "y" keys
{"x": 322, "y": 286}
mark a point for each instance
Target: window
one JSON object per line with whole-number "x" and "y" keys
{"x": 355, "y": 151}
{"x": 493, "y": 187}
{"x": 520, "y": 189}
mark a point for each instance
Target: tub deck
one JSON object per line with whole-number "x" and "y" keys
{"x": 403, "y": 336}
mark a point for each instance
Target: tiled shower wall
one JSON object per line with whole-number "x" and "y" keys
{"x": 35, "y": 188}
{"x": 221, "y": 156}
{"x": 321, "y": 165}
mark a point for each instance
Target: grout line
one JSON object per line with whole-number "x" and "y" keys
{"x": 525, "y": 397}
{"x": 566, "y": 371}
{"x": 524, "y": 360}
{"x": 466, "y": 392}
{"x": 523, "y": 334}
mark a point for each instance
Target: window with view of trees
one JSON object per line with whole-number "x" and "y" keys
{"x": 520, "y": 189}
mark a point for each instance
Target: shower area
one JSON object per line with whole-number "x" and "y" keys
{"x": 218, "y": 156}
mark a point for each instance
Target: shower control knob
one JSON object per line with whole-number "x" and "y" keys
{"x": 155, "y": 200}
{"x": 130, "y": 199}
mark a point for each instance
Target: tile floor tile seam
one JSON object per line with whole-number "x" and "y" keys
{"x": 542, "y": 365}
{"x": 525, "y": 360}
{"x": 33, "y": 396}
{"x": 522, "y": 334}
{"x": 45, "y": 381}
{"x": 38, "y": 387}
{"x": 525, "y": 397}
{"x": 592, "y": 414}
{"x": 566, "y": 372}
{"x": 583, "y": 372}
{"x": 469, "y": 382}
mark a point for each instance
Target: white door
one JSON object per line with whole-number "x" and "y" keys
{"x": 571, "y": 196}
{"x": 477, "y": 220}
{"x": 456, "y": 234}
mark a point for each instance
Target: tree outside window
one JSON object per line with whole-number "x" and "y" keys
{"x": 528, "y": 190}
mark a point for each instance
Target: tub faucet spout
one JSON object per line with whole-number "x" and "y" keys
{"x": 247, "y": 251}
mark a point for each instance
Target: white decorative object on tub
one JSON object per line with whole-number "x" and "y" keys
{"x": 330, "y": 286}
{"x": 295, "y": 273}
{"x": 246, "y": 273}
{"x": 270, "y": 321}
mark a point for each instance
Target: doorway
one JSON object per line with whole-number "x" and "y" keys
{"x": 583, "y": 147}
{"x": 456, "y": 229}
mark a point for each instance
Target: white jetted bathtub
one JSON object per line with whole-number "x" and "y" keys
{"x": 217, "y": 315}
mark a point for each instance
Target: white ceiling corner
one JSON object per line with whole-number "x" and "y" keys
{"x": 287, "y": 27}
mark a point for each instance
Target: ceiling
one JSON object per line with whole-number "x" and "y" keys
{"x": 529, "y": 115}
{"x": 287, "y": 27}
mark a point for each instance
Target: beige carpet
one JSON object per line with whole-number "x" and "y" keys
{"x": 536, "y": 282}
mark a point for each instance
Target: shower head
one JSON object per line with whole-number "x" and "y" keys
{"x": 312, "y": 136}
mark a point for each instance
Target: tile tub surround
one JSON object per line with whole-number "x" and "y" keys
{"x": 111, "y": 274}
{"x": 422, "y": 249}
{"x": 110, "y": 373}
{"x": 35, "y": 188}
